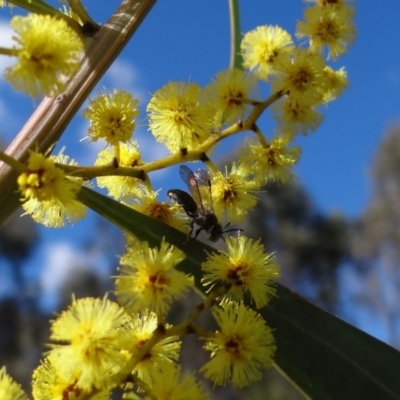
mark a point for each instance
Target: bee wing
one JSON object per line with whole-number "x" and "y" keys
{"x": 204, "y": 183}
{"x": 199, "y": 184}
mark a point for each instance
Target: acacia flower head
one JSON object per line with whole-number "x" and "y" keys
{"x": 47, "y": 194}
{"x": 168, "y": 383}
{"x": 243, "y": 268}
{"x": 161, "y": 356}
{"x": 263, "y": 47}
{"x": 112, "y": 117}
{"x": 46, "y": 48}
{"x": 48, "y": 383}
{"x": 302, "y": 77}
{"x": 148, "y": 279}
{"x": 179, "y": 117}
{"x": 336, "y": 83}
{"x": 120, "y": 187}
{"x": 271, "y": 163}
{"x": 241, "y": 348}
{"x": 92, "y": 334}
{"x": 233, "y": 193}
{"x": 9, "y": 389}
{"x": 230, "y": 92}
{"x": 294, "y": 117}
{"x": 146, "y": 202}
{"x": 330, "y": 26}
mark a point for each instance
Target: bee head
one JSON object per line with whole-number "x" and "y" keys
{"x": 216, "y": 233}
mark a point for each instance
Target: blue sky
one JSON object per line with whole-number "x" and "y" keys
{"x": 189, "y": 40}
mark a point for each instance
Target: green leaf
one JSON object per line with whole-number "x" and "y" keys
{"x": 236, "y": 60}
{"x": 38, "y": 6}
{"x": 328, "y": 358}
{"x": 325, "y": 357}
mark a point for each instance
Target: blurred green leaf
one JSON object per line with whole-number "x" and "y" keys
{"x": 323, "y": 356}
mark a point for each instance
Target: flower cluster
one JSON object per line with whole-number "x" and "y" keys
{"x": 98, "y": 345}
{"x": 190, "y": 120}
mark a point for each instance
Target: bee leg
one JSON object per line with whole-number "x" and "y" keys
{"x": 197, "y": 233}
{"x": 191, "y": 228}
{"x": 189, "y": 237}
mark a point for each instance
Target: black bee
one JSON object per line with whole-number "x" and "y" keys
{"x": 198, "y": 205}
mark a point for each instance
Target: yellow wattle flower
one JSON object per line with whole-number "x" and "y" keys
{"x": 47, "y": 48}
{"x": 48, "y": 195}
